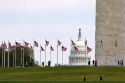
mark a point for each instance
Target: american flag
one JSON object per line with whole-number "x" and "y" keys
{"x": 89, "y": 49}
{"x": 51, "y": 48}
{"x": 59, "y": 43}
{"x": 17, "y": 44}
{"x": 26, "y": 44}
{"x": 75, "y": 48}
{"x": 47, "y": 42}
{"x": 64, "y": 48}
{"x": 41, "y": 48}
{"x": 4, "y": 46}
{"x": 35, "y": 43}
{"x": 9, "y": 45}
{"x": 72, "y": 42}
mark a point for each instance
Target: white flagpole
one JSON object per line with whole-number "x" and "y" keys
{"x": 15, "y": 56}
{"x": 40, "y": 55}
{"x": 57, "y": 54}
{"x": 4, "y": 57}
{"x": 62, "y": 57}
{"x": 2, "y": 54}
{"x": 40, "y": 58}
{"x": 21, "y": 56}
{"x": 57, "y": 51}
{"x": 85, "y": 50}
{"x": 8, "y": 57}
{"x": 15, "y": 53}
{"x": 50, "y": 54}
{"x": 33, "y": 49}
{"x": 23, "y": 53}
{"x": 45, "y": 54}
{"x": 8, "y": 53}
{"x": 30, "y": 52}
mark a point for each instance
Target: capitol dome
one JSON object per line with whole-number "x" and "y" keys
{"x": 80, "y": 43}
{"x": 79, "y": 54}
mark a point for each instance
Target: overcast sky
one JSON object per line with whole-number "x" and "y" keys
{"x": 51, "y": 19}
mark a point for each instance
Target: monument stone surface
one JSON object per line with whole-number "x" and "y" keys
{"x": 110, "y": 32}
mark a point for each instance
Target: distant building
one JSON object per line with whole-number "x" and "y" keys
{"x": 79, "y": 54}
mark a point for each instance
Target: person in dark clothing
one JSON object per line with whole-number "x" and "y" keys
{"x": 84, "y": 79}
{"x": 49, "y": 63}
{"x": 42, "y": 63}
{"x": 89, "y": 63}
{"x": 100, "y": 78}
{"x": 93, "y": 62}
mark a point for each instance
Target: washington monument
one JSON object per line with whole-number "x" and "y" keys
{"x": 110, "y": 32}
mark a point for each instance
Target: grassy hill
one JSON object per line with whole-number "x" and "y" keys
{"x": 62, "y": 75}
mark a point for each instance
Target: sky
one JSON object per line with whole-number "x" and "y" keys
{"x": 38, "y": 20}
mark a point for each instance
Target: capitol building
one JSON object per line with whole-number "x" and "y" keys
{"x": 80, "y": 52}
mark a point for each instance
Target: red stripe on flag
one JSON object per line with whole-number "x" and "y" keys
{"x": 89, "y": 49}
{"x": 4, "y": 46}
{"x": 64, "y": 48}
{"x": 75, "y": 48}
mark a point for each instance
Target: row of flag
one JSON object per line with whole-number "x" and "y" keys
{"x": 17, "y": 44}
{"x": 36, "y": 44}
{"x": 47, "y": 43}
{"x": 26, "y": 44}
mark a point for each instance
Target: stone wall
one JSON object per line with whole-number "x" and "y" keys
{"x": 110, "y": 31}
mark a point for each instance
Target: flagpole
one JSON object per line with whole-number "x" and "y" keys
{"x": 45, "y": 54}
{"x": 86, "y": 54}
{"x": 85, "y": 50}
{"x": 50, "y": 54}
{"x": 8, "y": 54}
{"x": 15, "y": 54}
{"x": 23, "y": 52}
{"x": 40, "y": 55}
{"x": 8, "y": 59}
{"x": 30, "y": 52}
{"x": 4, "y": 57}
{"x": 57, "y": 52}
{"x": 21, "y": 57}
{"x": 33, "y": 49}
{"x": 62, "y": 57}
{"x": 2, "y": 54}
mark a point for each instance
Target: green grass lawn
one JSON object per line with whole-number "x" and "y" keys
{"x": 62, "y": 75}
